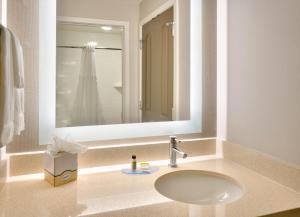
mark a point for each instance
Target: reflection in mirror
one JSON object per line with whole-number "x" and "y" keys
{"x": 157, "y": 68}
{"x": 101, "y": 81}
{"x": 89, "y": 74}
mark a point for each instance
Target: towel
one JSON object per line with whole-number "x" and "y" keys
{"x": 19, "y": 84}
{"x": 11, "y": 86}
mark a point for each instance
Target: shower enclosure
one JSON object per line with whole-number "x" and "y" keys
{"x": 89, "y": 74}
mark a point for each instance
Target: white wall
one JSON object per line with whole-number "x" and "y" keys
{"x": 148, "y": 6}
{"x": 108, "y": 72}
{"x": 264, "y": 76}
{"x": 119, "y": 10}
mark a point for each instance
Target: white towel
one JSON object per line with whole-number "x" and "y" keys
{"x": 11, "y": 87}
{"x": 19, "y": 84}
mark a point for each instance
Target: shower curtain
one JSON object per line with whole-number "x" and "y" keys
{"x": 86, "y": 108}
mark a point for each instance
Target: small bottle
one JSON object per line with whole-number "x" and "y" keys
{"x": 133, "y": 163}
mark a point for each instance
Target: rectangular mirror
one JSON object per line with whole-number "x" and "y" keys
{"x": 119, "y": 68}
{"x": 90, "y": 66}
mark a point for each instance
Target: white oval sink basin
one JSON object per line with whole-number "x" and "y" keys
{"x": 199, "y": 187}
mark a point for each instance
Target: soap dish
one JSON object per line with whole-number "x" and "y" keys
{"x": 150, "y": 170}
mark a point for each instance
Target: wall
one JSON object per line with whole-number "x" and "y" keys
{"x": 108, "y": 72}
{"x": 148, "y": 6}
{"x": 264, "y": 77}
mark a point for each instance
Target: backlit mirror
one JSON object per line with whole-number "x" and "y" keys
{"x": 127, "y": 66}
{"x": 112, "y": 69}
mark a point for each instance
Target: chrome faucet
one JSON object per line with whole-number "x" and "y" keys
{"x": 174, "y": 150}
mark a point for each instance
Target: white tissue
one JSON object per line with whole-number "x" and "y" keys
{"x": 65, "y": 145}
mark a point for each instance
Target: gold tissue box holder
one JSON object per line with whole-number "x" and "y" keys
{"x": 61, "y": 168}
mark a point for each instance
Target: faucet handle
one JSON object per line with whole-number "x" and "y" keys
{"x": 173, "y": 137}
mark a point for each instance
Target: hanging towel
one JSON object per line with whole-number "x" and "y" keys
{"x": 19, "y": 83}
{"x": 11, "y": 86}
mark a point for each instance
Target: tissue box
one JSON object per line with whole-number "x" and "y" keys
{"x": 61, "y": 168}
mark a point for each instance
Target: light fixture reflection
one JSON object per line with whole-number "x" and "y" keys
{"x": 106, "y": 28}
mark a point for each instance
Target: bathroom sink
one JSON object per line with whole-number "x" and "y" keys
{"x": 199, "y": 187}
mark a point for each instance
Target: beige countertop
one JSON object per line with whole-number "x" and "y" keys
{"x": 113, "y": 194}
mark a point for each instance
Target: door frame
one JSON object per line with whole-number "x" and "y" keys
{"x": 153, "y": 14}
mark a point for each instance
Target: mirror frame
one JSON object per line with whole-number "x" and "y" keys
{"x": 47, "y": 87}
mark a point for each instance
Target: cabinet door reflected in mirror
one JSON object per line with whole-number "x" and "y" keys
{"x": 124, "y": 64}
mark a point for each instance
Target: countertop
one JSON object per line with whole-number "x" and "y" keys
{"x": 113, "y": 194}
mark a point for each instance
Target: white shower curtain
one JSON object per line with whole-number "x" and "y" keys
{"x": 86, "y": 108}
